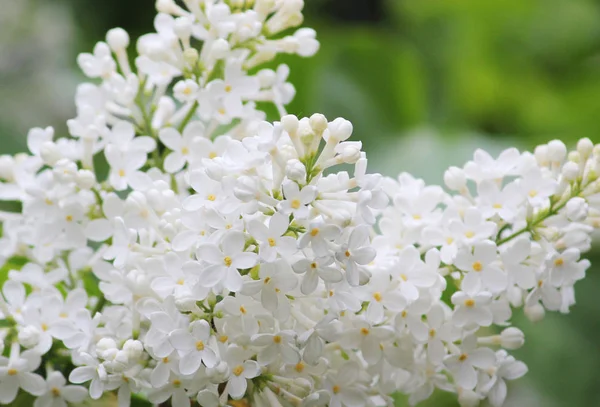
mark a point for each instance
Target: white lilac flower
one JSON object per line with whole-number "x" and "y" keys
{"x": 223, "y": 257}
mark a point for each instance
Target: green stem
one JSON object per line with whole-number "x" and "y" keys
{"x": 189, "y": 116}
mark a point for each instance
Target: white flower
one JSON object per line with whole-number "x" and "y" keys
{"x": 241, "y": 370}
{"x": 224, "y": 263}
{"x": 472, "y": 308}
{"x": 480, "y": 269}
{"x": 296, "y": 200}
{"x": 316, "y": 268}
{"x": 463, "y": 365}
{"x": 184, "y": 148}
{"x": 16, "y": 372}
{"x": 194, "y": 347}
{"x": 356, "y": 253}
{"x": 58, "y": 393}
{"x": 272, "y": 239}
{"x": 280, "y": 344}
{"x": 507, "y": 369}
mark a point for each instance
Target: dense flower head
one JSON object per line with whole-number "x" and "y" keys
{"x": 179, "y": 247}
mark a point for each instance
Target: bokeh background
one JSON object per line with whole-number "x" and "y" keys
{"x": 425, "y": 82}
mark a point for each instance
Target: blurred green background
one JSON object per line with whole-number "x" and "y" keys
{"x": 425, "y": 82}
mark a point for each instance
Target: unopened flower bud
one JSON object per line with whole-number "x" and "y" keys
{"x": 512, "y": 338}
{"x": 468, "y": 398}
{"x": 183, "y": 27}
{"x": 557, "y": 151}
{"x": 85, "y": 179}
{"x": 295, "y": 170}
{"x": 29, "y": 336}
{"x": 585, "y": 147}
{"x": 541, "y": 154}
{"x": 455, "y": 178}
{"x": 350, "y": 154}
{"x": 191, "y": 56}
{"x": 535, "y": 313}
{"x": 220, "y": 49}
{"x": 50, "y": 153}
{"x": 105, "y": 344}
{"x": 570, "y": 171}
{"x": 290, "y": 123}
{"x": 266, "y": 77}
{"x": 340, "y": 129}
{"x": 117, "y": 39}
{"x": 318, "y": 122}
{"x": 577, "y": 209}
{"x": 133, "y": 348}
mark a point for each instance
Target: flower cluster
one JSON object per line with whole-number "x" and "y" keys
{"x": 178, "y": 247}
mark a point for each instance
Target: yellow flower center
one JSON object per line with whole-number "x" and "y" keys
{"x": 477, "y": 266}
{"x": 377, "y": 296}
{"x": 121, "y": 173}
{"x": 227, "y": 260}
{"x": 238, "y": 370}
{"x": 469, "y": 234}
{"x": 185, "y": 151}
{"x": 463, "y": 357}
{"x": 199, "y": 346}
{"x": 336, "y": 389}
{"x": 55, "y": 391}
{"x": 277, "y": 339}
{"x": 299, "y": 367}
{"x": 271, "y": 242}
{"x": 212, "y": 155}
{"x": 12, "y": 372}
{"x": 469, "y": 303}
{"x": 314, "y": 231}
{"x": 296, "y": 203}
{"x": 364, "y": 331}
{"x": 211, "y": 197}
{"x": 243, "y": 310}
{"x": 559, "y": 262}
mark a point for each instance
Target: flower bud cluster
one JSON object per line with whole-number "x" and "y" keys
{"x": 216, "y": 256}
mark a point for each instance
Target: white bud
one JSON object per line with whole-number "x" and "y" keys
{"x": 340, "y": 129}
{"x": 585, "y": 147}
{"x": 50, "y": 153}
{"x": 85, "y": 179}
{"x": 541, "y": 154}
{"x": 191, "y": 56}
{"x": 264, "y": 7}
{"x": 318, "y": 122}
{"x": 6, "y": 167}
{"x": 350, "y": 154}
{"x": 557, "y": 151}
{"x": 105, "y": 344}
{"x": 295, "y": 170}
{"x": 117, "y": 39}
{"x": 577, "y": 209}
{"x": 290, "y": 123}
{"x": 570, "y": 171}
{"x": 512, "y": 338}
{"x": 220, "y": 49}
{"x": 29, "y": 336}
{"x": 65, "y": 170}
{"x": 266, "y": 78}
{"x": 166, "y": 6}
{"x": 183, "y": 27}
{"x": 535, "y": 313}
{"x": 245, "y": 189}
{"x": 455, "y": 178}
{"x": 134, "y": 349}
{"x": 468, "y": 398}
